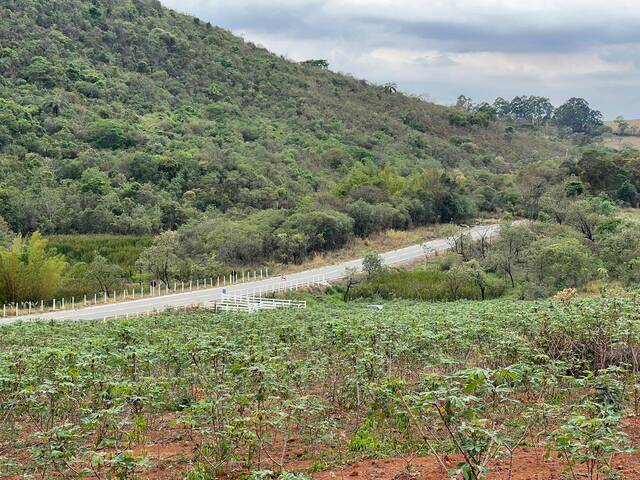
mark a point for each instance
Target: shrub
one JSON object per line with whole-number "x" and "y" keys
{"x": 109, "y": 134}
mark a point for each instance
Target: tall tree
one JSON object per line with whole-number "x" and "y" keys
{"x": 507, "y": 254}
{"x": 577, "y": 115}
{"x": 104, "y": 276}
{"x": 622, "y": 125}
{"x": 161, "y": 259}
{"x": 27, "y": 271}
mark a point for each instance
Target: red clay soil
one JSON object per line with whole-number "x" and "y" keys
{"x": 528, "y": 464}
{"x": 170, "y": 458}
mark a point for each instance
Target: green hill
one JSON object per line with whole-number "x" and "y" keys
{"x": 125, "y": 117}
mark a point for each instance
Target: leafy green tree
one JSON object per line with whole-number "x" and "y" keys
{"x": 104, "y": 276}
{"x": 456, "y": 278}
{"x": 573, "y": 188}
{"x": 555, "y": 204}
{"x": 464, "y": 103}
{"x": 598, "y": 169}
{"x": 41, "y": 71}
{"x": 577, "y": 115}
{"x": 325, "y": 230}
{"x": 507, "y": 255}
{"x": 162, "y": 259}
{"x": 28, "y": 272}
{"x": 619, "y": 251}
{"x": 587, "y": 214}
{"x": 291, "y": 247}
{"x": 109, "y": 134}
{"x": 621, "y": 125}
{"x": 319, "y": 63}
{"x": 478, "y": 276}
{"x": 374, "y": 218}
{"x": 557, "y": 263}
{"x": 372, "y": 264}
{"x": 94, "y": 181}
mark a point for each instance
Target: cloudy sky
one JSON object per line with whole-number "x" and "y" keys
{"x": 442, "y": 48}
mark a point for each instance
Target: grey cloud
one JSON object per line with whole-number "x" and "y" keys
{"x": 472, "y": 37}
{"x": 348, "y": 36}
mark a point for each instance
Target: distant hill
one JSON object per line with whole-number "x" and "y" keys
{"x": 631, "y": 138}
{"x": 122, "y": 116}
{"x": 614, "y": 125}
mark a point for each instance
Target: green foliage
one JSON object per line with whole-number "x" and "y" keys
{"x": 109, "y": 123}
{"x": 576, "y": 115}
{"x": 109, "y": 134}
{"x": 530, "y": 109}
{"x": 431, "y": 284}
{"x": 161, "y": 260}
{"x": 103, "y": 276}
{"x": 372, "y": 264}
{"x": 325, "y": 230}
{"x": 557, "y": 263}
{"x": 6, "y": 235}
{"x": 589, "y": 437}
{"x": 475, "y": 378}
{"x": 122, "y": 251}
{"x": 587, "y": 215}
{"x": 27, "y": 271}
{"x": 613, "y": 173}
{"x": 94, "y": 181}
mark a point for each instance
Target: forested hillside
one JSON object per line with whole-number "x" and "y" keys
{"x": 121, "y": 116}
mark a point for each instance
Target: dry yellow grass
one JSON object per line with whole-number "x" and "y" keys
{"x": 614, "y": 126}
{"x": 631, "y": 214}
{"x": 617, "y": 142}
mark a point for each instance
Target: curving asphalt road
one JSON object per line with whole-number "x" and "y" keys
{"x": 200, "y": 297}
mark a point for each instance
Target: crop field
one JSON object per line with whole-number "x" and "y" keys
{"x": 470, "y": 390}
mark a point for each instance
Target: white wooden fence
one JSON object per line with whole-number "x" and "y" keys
{"x": 247, "y": 303}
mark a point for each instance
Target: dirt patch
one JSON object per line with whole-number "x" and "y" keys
{"x": 528, "y": 464}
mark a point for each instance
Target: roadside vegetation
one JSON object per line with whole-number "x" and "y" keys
{"x": 594, "y": 249}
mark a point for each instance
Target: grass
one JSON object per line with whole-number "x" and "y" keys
{"x": 122, "y": 250}
{"x": 618, "y": 142}
{"x": 630, "y": 214}
{"x": 631, "y": 139}
{"x": 426, "y": 284}
{"x": 635, "y": 123}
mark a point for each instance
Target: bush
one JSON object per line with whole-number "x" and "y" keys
{"x": 325, "y": 230}
{"x": 109, "y": 134}
{"x": 558, "y": 263}
{"x": 430, "y": 284}
{"x": 375, "y": 218}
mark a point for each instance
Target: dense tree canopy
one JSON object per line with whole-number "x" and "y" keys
{"x": 121, "y": 116}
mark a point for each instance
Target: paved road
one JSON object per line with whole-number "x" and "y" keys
{"x": 177, "y": 300}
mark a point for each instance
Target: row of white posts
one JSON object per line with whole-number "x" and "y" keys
{"x": 155, "y": 289}
{"x": 285, "y": 286}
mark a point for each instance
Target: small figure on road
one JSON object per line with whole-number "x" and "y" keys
{"x": 283, "y": 278}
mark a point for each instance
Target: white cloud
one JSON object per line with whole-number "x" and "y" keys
{"x": 487, "y": 48}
